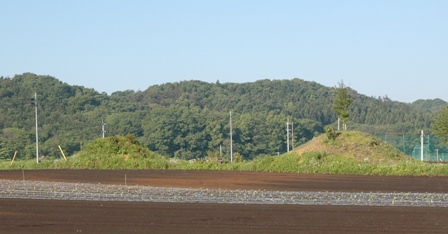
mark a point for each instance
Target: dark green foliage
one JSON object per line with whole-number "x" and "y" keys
{"x": 429, "y": 105}
{"x": 188, "y": 119}
{"x": 14, "y": 139}
{"x": 440, "y": 124}
{"x": 331, "y": 133}
{"x": 342, "y": 102}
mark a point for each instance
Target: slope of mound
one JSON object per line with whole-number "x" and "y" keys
{"x": 117, "y": 152}
{"x": 356, "y": 145}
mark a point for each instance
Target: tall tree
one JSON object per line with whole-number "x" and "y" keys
{"x": 440, "y": 124}
{"x": 341, "y": 103}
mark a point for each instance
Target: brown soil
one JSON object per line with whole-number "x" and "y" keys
{"x": 56, "y": 216}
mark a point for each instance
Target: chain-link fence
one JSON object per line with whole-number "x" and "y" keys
{"x": 434, "y": 149}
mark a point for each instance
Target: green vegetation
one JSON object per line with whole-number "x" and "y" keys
{"x": 190, "y": 119}
{"x": 341, "y": 104}
{"x": 116, "y": 153}
{"x": 350, "y": 152}
{"x": 440, "y": 124}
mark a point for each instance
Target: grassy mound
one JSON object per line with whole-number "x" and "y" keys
{"x": 117, "y": 152}
{"x": 350, "y": 152}
{"x": 355, "y": 145}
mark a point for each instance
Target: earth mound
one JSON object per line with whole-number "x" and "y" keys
{"x": 356, "y": 145}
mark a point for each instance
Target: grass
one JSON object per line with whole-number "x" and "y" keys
{"x": 350, "y": 153}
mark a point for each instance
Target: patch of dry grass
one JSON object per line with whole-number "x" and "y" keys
{"x": 353, "y": 144}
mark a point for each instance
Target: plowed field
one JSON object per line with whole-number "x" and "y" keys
{"x": 88, "y": 216}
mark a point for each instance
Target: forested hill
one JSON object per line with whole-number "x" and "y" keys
{"x": 296, "y": 97}
{"x": 189, "y": 119}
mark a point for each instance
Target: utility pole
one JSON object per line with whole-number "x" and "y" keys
{"x": 231, "y": 142}
{"x": 102, "y": 127}
{"x": 292, "y": 133}
{"x": 404, "y": 146}
{"x": 37, "y": 132}
{"x": 287, "y": 135}
{"x": 421, "y": 147}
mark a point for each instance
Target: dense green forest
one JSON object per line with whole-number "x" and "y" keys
{"x": 190, "y": 119}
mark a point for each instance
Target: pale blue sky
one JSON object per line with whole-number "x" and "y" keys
{"x": 394, "y": 48}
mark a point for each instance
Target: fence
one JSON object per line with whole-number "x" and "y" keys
{"x": 434, "y": 149}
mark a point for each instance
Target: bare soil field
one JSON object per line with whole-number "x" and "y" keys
{"x": 70, "y": 216}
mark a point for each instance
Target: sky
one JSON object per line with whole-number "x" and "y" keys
{"x": 393, "y": 48}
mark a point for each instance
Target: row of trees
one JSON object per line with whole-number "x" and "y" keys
{"x": 190, "y": 119}
{"x": 195, "y": 133}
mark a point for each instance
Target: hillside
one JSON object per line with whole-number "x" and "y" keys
{"x": 189, "y": 119}
{"x": 356, "y": 145}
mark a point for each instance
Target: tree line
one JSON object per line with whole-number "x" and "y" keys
{"x": 190, "y": 119}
